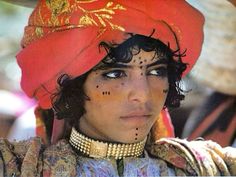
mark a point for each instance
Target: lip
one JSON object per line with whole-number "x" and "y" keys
{"x": 135, "y": 120}
{"x": 136, "y": 115}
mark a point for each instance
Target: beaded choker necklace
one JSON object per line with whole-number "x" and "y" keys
{"x": 99, "y": 149}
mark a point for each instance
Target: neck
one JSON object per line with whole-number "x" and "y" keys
{"x": 101, "y": 149}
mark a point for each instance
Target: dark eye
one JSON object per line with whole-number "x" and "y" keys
{"x": 161, "y": 72}
{"x": 114, "y": 74}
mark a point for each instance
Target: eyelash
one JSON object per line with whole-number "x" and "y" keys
{"x": 120, "y": 73}
{"x": 116, "y": 74}
{"x": 160, "y": 72}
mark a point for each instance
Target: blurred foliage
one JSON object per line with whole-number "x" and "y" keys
{"x": 13, "y": 18}
{"x": 7, "y": 9}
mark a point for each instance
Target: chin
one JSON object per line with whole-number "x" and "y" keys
{"x": 131, "y": 135}
{"x": 133, "y": 139}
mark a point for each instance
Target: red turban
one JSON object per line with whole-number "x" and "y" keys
{"x": 63, "y": 36}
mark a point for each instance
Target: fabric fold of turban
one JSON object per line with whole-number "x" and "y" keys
{"x": 64, "y": 36}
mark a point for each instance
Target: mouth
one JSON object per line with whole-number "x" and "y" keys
{"x": 136, "y": 116}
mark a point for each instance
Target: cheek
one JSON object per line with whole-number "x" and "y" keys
{"x": 106, "y": 99}
{"x": 104, "y": 92}
{"x": 158, "y": 87}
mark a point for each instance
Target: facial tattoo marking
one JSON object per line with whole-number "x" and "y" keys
{"x": 106, "y": 93}
{"x": 136, "y": 135}
{"x": 141, "y": 62}
{"x": 97, "y": 86}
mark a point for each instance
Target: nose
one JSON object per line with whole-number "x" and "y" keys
{"x": 138, "y": 90}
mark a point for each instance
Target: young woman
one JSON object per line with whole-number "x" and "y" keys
{"x": 108, "y": 68}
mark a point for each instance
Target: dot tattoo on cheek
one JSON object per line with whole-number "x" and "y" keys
{"x": 106, "y": 93}
{"x": 97, "y": 86}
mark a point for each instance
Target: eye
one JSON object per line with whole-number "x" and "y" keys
{"x": 114, "y": 74}
{"x": 160, "y": 71}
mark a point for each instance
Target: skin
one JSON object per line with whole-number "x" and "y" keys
{"x": 126, "y": 100}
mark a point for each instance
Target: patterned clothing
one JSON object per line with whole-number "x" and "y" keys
{"x": 131, "y": 167}
{"x": 167, "y": 157}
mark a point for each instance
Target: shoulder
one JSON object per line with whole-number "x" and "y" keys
{"x": 21, "y": 157}
{"x": 32, "y": 158}
{"x": 196, "y": 157}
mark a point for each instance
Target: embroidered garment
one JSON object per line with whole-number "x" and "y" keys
{"x": 171, "y": 156}
{"x": 146, "y": 166}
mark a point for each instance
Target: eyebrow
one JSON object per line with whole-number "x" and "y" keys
{"x": 112, "y": 65}
{"x": 158, "y": 62}
{"x": 122, "y": 65}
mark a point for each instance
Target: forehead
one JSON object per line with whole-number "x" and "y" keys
{"x": 143, "y": 55}
{"x": 134, "y": 57}
{"x": 143, "y": 58}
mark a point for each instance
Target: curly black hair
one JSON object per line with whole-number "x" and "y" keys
{"x": 68, "y": 102}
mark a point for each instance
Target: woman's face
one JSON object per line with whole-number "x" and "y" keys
{"x": 125, "y": 100}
